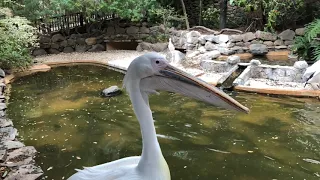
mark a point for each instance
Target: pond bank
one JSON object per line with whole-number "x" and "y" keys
{"x": 16, "y": 159}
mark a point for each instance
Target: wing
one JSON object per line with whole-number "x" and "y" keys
{"x": 114, "y": 170}
{"x": 162, "y": 83}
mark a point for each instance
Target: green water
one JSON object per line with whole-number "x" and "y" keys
{"x": 62, "y": 114}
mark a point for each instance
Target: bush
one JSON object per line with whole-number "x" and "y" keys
{"x": 17, "y": 37}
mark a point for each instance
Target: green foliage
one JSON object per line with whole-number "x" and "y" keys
{"x": 276, "y": 12}
{"x": 307, "y": 46}
{"x": 16, "y": 37}
{"x": 166, "y": 16}
{"x": 211, "y": 17}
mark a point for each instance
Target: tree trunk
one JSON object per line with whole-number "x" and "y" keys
{"x": 200, "y": 13}
{"x": 223, "y": 13}
{"x": 185, "y": 14}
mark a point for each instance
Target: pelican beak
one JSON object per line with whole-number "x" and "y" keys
{"x": 186, "y": 84}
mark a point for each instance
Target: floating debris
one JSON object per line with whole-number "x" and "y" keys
{"x": 49, "y": 168}
{"x": 219, "y": 151}
{"x": 312, "y": 161}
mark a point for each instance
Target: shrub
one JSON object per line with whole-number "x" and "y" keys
{"x": 307, "y": 46}
{"x": 16, "y": 39}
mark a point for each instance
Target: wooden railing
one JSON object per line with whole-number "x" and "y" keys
{"x": 67, "y": 22}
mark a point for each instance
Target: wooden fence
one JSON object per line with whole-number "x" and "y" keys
{"x": 67, "y": 22}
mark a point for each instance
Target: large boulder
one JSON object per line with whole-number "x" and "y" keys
{"x": 159, "y": 47}
{"x": 300, "y": 31}
{"x": 44, "y": 39}
{"x": 144, "y": 30}
{"x": 249, "y": 36}
{"x": 57, "y": 38}
{"x": 301, "y": 65}
{"x": 192, "y": 37}
{"x": 54, "y": 51}
{"x": 39, "y": 52}
{"x": 175, "y": 57}
{"x": 111, "y": 91}
{"x": 236, "y": 38}
{"x": 209, "y": 46}
{"x": 233, "y": 59}
{"x": 266, "y": 36}
{"x": 287, "y": 35}
{"x": 132, "y": 30}
{"x": 211, "y": 55}
{"x": 81, "y": 48}
{"x": 258, "y": 49}
{"x": 91, "y": 41}
{"x": 97, "y": 47}
{"x": 68, "y": 49}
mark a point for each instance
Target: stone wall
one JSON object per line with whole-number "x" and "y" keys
{"x": 256, "y": 43}
{"x": 16, "y": 159}
{"x": 115, "y": 32}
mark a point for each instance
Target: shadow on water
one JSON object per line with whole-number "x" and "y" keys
{"x": 62, "y": 114}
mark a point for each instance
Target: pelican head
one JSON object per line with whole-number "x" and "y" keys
{"x": 153, "y": 72}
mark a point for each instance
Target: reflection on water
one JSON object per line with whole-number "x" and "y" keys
{"x": 62, "y": 114}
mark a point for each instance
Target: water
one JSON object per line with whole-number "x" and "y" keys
{"x": 62, "y": 114}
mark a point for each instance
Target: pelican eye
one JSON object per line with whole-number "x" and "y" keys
{"x": 157, "y": 62}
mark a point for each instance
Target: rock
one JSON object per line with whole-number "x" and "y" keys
{"x": 159, "y": 47}
{"x": 211, "y": 55}
{"x": 39, "y": 52}
{"x": 209, "y": 46}
{"x": 278, "y": 43}
{"x": 281, "y": 47}
{"x": 64, "y": 43}
{"x": 57, "y": 38}
{"x": 255, "y": 62}
{"x": 210, "y": 38}
{"x": 258, "y": 49}
{"x": 222, "y": 38}
{"x": 91, "y": 41}
{"x": 74, "y": 36}
{"x": 21, "y": 156}
{"x": 3, "y": 155}
{"x": 268, "y": 43}
{"x": 192, "y": 54}
{"x": 9, "y": 145}
{"x": 132, "y": 30}
{"x": 97, "y": 48}
{"x": 239, "y": 44}
{"x": 256, "y": 42}
{"x": 287, "y": 43}
{"x": 54, "y": 51}
{"x": 192, "y": 37}
{"x": 2, "y": 73}
{"x": 300, "y": 65}
{"x": 111, "y": 30}
{"x": 111, "y": 91}
{"x": 8, "y": 133}
{"x": 300, "y": 31}
{"x": 233, "y": 59}
{"x": 120, "y": 30}
{"x": 202, "y": 40}
{"x": 44, "y": 39}
{"x": 249, "y": 36}
{"x": 81, "y": 41}
{"x": 144, "y": 30}
{"x": 45, "y": 45}
{"x": 266, "y": 36}
{"x": 55, "y": 46}
{"x": 237, "y": 49}
{"x": 5, "y": 122}
{"x": 287, "y": 35}
{"x": 175, "y": 57}
{"x": 225, "y": 51}
{"x": 139, "y": 48}
{"x": 202, "y": 49}
{"x": 81, "y": 48}
{"x": 71, "y": 42}
{"x": 25, "y": 172}
{"x": 236, "y": 38}
{"x": 68, "y": 50}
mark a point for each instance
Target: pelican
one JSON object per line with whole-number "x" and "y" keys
{"x": 145, "y": 75}
{"x": 312, "y": 75}
{"x": 171, "y": 49}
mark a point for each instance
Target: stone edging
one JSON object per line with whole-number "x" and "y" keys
{"x": 16, "y": 159}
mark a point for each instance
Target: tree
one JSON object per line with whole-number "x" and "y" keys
{"x": 223, "y": 13}
{"x": 185, "y": 14}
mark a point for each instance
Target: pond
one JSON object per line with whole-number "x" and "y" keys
{"x": 62, "y": 114}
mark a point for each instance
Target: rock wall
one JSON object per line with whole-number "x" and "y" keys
{"x": 256, "y": 43}
{"x": 16, "y": 159}
{"x": 115, "y": 32}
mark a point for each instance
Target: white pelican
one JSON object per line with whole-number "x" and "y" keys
{"x": 312, "y": 75}
{"x": 145, "y": 75}
{"x": 171, "y": 49}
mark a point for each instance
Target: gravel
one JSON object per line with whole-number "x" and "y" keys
{"x": 266, "y": 83}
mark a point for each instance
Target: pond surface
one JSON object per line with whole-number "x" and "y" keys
{"x": 62, "y": 114}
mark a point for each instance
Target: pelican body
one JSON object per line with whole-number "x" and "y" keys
{"x": 312, "y": 76}
{"x": 145, "y": 75}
